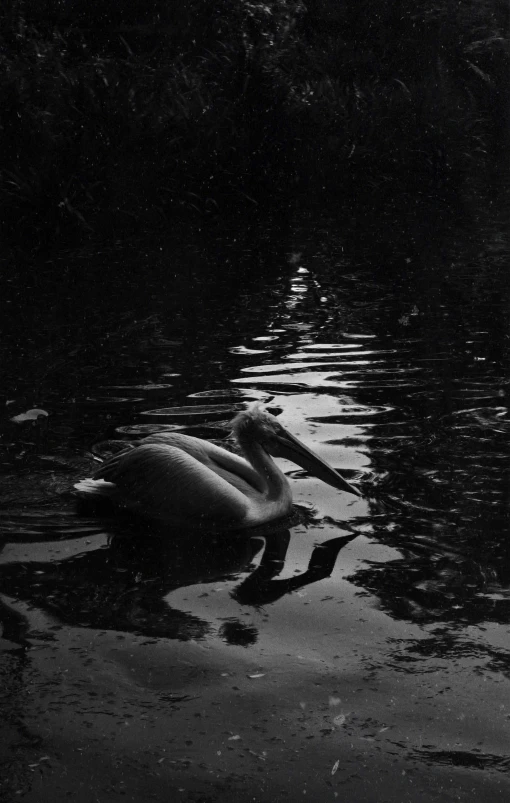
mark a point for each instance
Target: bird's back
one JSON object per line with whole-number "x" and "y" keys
{"x": 168, "y": 483}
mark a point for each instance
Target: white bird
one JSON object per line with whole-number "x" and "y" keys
{"x": 187, "y": 482}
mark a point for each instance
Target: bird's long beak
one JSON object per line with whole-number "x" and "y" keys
{"x": 292, "y": 449}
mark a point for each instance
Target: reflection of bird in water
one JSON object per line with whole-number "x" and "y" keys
{"x": 186, "y": 481}
{"x": 127, "y": 586}
{"x": 263, "y": 587}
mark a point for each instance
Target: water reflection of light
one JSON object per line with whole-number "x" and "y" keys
{"x": 298, "y": 288}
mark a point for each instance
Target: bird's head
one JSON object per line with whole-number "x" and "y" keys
{"x": 256, "y": 425}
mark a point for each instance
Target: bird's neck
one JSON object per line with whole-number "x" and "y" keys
{"x": 274, "y": 481}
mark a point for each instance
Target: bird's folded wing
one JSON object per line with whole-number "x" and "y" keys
{"x": 166, "y": 483}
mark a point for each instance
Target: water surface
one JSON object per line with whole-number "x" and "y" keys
{"x": 359, "y": 649}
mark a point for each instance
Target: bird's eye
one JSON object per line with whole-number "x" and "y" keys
{"x": 272, "y": 444}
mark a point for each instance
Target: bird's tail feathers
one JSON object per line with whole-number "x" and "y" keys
{"x": 96, "y": 488}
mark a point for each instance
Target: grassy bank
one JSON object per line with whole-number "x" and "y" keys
{"x": 117, "y": 118}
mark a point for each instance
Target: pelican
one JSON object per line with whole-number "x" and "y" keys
{"x": 187, "y": 482}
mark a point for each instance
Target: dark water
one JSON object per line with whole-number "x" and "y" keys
{"x": 360, "y": 650}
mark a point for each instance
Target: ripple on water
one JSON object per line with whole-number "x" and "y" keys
{"x": 205, "y": 430}
{"x": 293, "y": 382}
{"x": 233, "y": 394}
{"x": 203, "y": 413}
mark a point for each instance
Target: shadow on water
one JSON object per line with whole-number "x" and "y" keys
{"x": 123, "y": 585}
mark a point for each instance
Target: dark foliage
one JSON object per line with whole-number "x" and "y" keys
{"x": 118, "y": 114}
